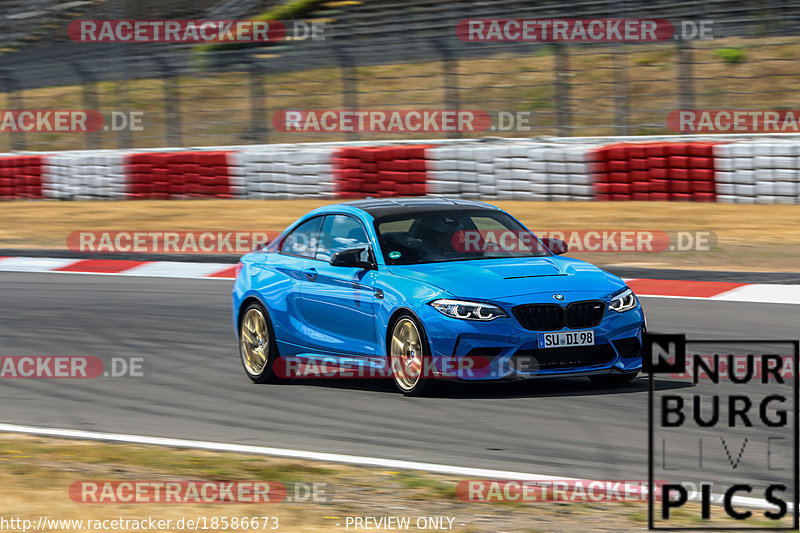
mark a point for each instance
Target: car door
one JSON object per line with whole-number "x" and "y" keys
{"x": 281, "y": 279}
{"x": 339, "y": 302}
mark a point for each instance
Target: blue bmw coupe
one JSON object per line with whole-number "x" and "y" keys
{"x": 431, "y": 289}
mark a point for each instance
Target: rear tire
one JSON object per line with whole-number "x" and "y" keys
{"x": 257, "y": 347}
{"x": 410, "y": 357}
{"x": 613, "y": 379}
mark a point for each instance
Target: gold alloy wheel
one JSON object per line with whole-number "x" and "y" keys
{"x": 406, "y": 354}
{"x": 254, "y": 342}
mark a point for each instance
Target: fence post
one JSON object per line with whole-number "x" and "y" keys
{"x": 258, "y": 109}
{"x": 621, "y": 110}
{"x": 349, "y": 78}
{"x": 122, "y": 101}
{"x": 562, "y": 97}
{"x": 89, "y": 101}
{"x": 685, "y": 75}
{"x": 172, "y": 103}
{"x": 14, "y": 100}
{"x": 450, "y": 81}
{"x": 118, "y": 56}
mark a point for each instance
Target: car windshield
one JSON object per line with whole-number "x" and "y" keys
{"x": 454, "y": 235}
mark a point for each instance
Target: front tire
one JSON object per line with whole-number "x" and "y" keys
{"x": 257, "y": 347}
{"x": 410, "y": 357}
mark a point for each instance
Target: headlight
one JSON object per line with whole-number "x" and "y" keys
{"x": 468, "y": 310}
{"x": 624, "y": 301}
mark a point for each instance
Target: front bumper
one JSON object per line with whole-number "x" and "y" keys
{"x": 504, "y": 350}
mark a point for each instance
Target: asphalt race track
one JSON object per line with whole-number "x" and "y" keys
{"x": 196, "y": 389}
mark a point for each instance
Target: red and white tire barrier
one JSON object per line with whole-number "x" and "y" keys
{"x": 185, "y": 174}
{"x": 758, "y": 172}
{"x": 84, "y": 176}
{"x": 21, "y": 176}
{"x": 654, "y": 171}
{"x": 754, "y": 169}
{"x": 710, "y": 290}
{"x": 505, "y": 171}
{"x": 383, "y": 171}
{"x": 285, "y": 173}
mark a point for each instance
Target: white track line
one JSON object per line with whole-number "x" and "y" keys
{"x": 762, "y": 293}
{"x": 173, "y": 269}
{"x": 157, "y": 269}
{"x": 463, "y": 471}
{"x": 117, "y": 274}
{"x": 34, "y": 264}
{"x": 280, "y": 452}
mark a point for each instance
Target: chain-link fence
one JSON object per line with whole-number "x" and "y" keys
{"x": 185, "y": 97}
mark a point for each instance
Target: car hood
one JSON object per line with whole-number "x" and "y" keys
{"x": 494, "y": 279}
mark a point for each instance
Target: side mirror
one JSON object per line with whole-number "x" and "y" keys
{"x": 557, "y": 246}
{"x": 353, "y": 258}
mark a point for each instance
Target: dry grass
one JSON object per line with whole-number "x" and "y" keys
{"x": 36, "y": 474}
{"x": 750, "y": 237}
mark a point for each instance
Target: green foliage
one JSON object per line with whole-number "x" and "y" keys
{"x": 284, "y": 11}
{"x": 287, "y": 10}
{"x": 730, "y": 55}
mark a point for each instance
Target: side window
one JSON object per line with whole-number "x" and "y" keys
{"x": 488, "y": 224}
{"x": 340, "y": 232}
{"x": 302, "y": 241}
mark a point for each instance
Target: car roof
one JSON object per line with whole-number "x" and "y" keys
{"x": 381, "y": 207}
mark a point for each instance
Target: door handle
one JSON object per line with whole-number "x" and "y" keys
{"x": 311, "y": 274}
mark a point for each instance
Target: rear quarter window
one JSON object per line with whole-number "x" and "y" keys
{"x": 303, "y": 240}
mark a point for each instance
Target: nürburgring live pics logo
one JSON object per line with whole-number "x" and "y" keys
{"x": 732, "y": 430}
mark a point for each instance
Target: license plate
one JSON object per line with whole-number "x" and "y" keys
{"x": 566, "y": 338}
